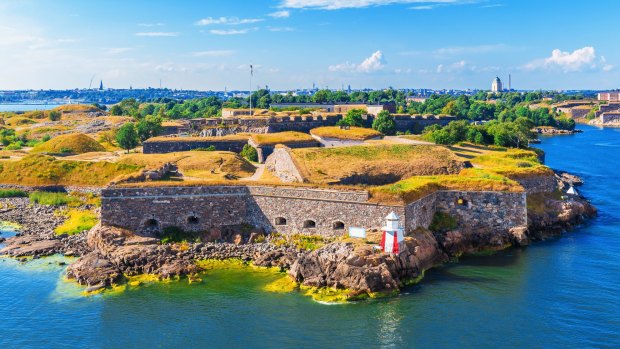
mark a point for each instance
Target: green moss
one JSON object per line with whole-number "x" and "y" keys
{"x": 77, "y": 222}
{"x": 443, "y": 222}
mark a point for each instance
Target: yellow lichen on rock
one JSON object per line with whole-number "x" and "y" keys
{"x": 282, "y": 285}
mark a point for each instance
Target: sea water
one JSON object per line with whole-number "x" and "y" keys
{"x": 563, "y": 292}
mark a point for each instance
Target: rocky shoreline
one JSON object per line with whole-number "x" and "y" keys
{"x": 108, "y": 255}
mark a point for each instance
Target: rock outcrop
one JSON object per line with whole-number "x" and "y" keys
{"x": 361, "y": 269}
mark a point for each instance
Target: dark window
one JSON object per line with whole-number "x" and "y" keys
{"x": 280, "y": 221}
{"x": 309, "y": 224}
{"x": 151, "y": 223}
{"x": 461, "y": 201}
{"x": 192, "y": 220}
{"x": 338, "y": 225}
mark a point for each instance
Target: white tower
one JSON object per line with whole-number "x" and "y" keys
{"x": 496, "y": 85}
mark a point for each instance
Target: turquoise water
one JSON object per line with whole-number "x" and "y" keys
{"x": 559, "y": 293}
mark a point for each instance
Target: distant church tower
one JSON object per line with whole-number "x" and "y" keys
{"x": 101, "y": 85}
{"x": 496, "y": 86}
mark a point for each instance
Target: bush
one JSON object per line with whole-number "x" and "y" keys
{"x": 13, "y": 146}
{"x": 353, "y": 118}
{"x": 54, "y": 115}
{"x": 384, "y": 123}
{"x": 12, "y": 193}
{"x": 77, "y": 222}
{"x": 249, "y": 153}
{"x": 51, "y": 199}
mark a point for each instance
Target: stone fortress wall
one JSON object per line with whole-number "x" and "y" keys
{"x": 291, "y": 210}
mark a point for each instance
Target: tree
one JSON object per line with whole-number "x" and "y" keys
{"x": 116, "y": 110}
{"x": 149, "y": 127}
{"x": 126, "y": 137}
{"x": 354, "y": 118}
{"x": 384, "y": 123}
{"x": 249, "y": 153}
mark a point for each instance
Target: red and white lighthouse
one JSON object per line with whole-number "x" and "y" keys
{"x": 393, "y": 234}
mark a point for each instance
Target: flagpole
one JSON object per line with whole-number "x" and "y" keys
{"x": 251, "y": 76}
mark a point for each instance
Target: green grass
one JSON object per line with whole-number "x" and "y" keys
{"x": 12, "y": 193}
{"x": 51, "y": 199}
{"x": 414, "y": 188}
{"x": 77, "y": 222}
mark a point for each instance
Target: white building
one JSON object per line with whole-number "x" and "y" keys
{"x": 496, "y": 85}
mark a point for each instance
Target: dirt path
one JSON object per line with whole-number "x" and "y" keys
{"x": 260, "y": 168}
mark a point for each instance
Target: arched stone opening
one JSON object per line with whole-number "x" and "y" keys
{"x": 280, "y": 221}
{"x": 309, "y": 224}
{"x": 338, "y": 225}
{"x": 151, "y": 223}
{"x": 192, "y": 220}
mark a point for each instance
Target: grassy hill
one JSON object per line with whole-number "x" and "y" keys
{"x": 75, "y": 143}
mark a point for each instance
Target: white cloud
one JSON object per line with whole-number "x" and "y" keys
{"x": 342, "y": 4}
{"x": 566, "y": 61}
{"x": 373, "y": 63}
{"x": 157, "y": 34}
{"x": 214, "y": 53}
{"x": 605, "y": 65}
{"x": 281, "y": 29}
{"x": 150, "y": 24}
{"x": 280, "y": 14}
{"x": 227, "y": 21}
{"x": 229, "y": 31}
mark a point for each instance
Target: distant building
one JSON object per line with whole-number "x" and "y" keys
{"x": 321, "y": 106}
{"x": 609, "y": 96}
{"x": 496, "y": 85}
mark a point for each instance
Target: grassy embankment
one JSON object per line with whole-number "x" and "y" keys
{"x": 202, "y": 165}
{"x": 375, "y": 163}
{"x": 351, "y": 134}
{"x": 495, "y": 170}
{"x": 285, "y": 138}
{"x": 36, "y": 170}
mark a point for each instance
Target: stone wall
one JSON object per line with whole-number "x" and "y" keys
{"x": 610, "y": 118}
{"x": 484, "y": 211}
{"x": 171, "y": 146}
{"x": 420, "y": 213}
{"x": 282, "y": 165}
{"x": 299, "y": 210}
{"x": 538, "y": 184}
{"x": 283, "y": 210}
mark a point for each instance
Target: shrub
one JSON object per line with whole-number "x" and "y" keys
{"x": 54, "y": 115}
{"x": 77, "y": 222}
{"x": 249, "y": 153}
{"x": 13, "y": 146}
{"x": 50, "y": 199}
{"x": 12, "y": 193}
{"x": 384, "y": 123}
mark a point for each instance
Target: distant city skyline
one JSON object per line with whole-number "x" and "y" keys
{"x": 209, "y": 45}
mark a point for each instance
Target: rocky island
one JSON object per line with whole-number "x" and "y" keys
{"x": 164, "y": 214}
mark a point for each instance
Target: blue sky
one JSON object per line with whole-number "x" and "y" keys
{"x": 209, "y": 44}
